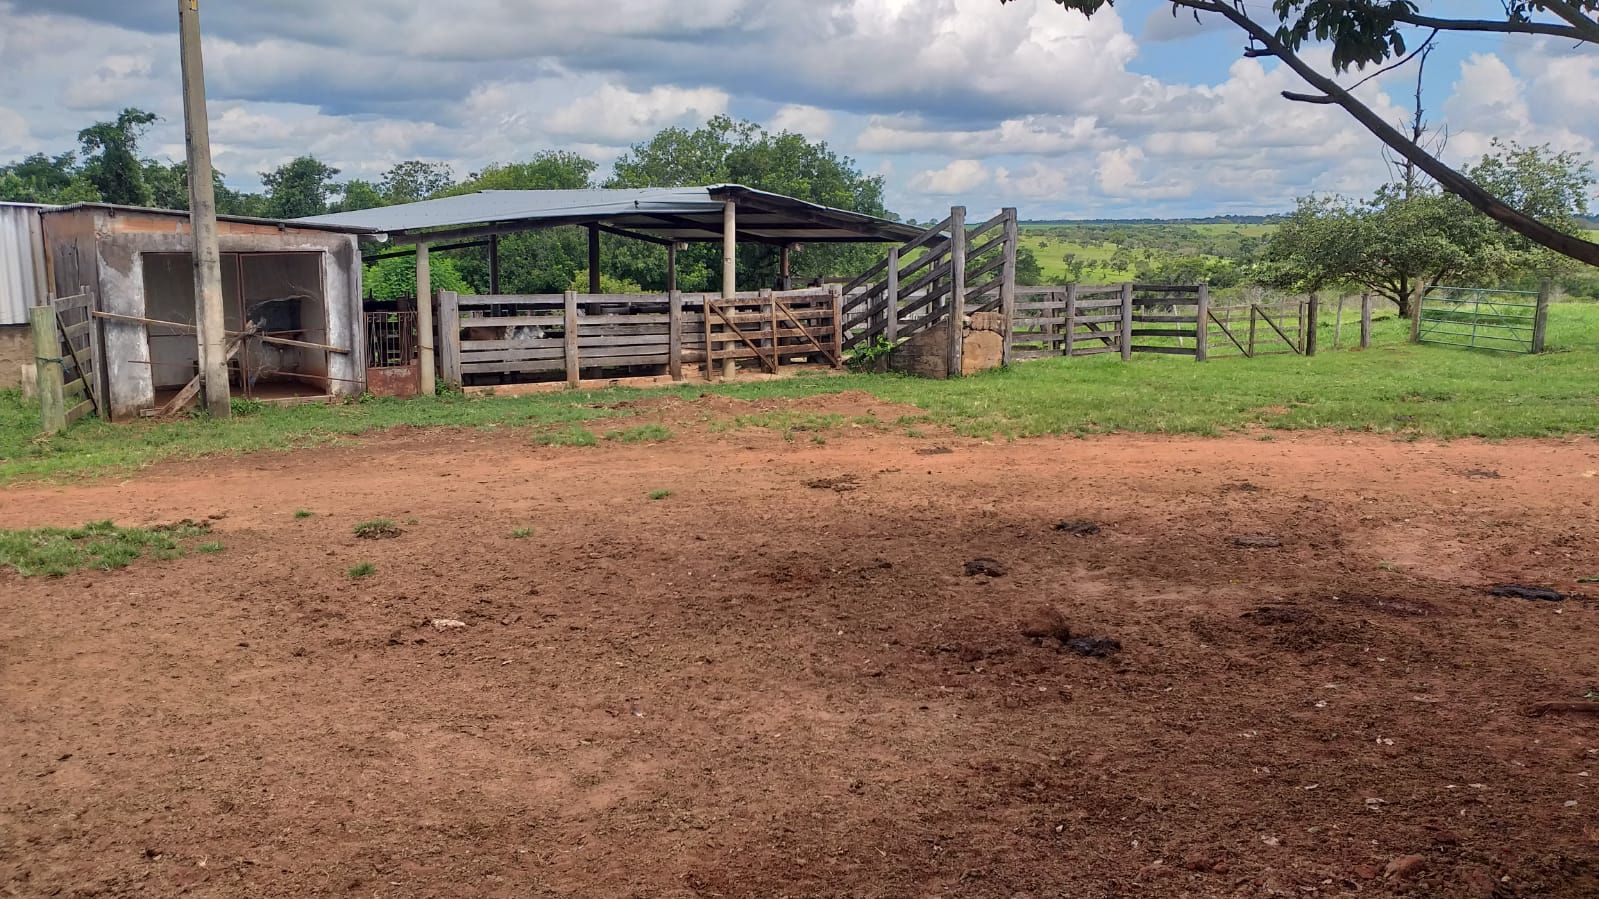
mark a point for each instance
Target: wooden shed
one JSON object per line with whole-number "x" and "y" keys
{"x": 292, "y": 296}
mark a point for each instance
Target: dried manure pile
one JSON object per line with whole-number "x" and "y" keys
{"x": 716, "y": 661}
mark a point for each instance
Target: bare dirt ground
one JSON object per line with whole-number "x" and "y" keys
{"x": 780, "y": 681}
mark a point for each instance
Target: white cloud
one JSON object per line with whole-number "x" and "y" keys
{"x": 614, "y": 114}
{"x": 811, "y": 121}
{"x": 960, "y": 176}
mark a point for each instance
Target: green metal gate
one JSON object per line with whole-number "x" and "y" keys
{"x": 1510, "y": 321}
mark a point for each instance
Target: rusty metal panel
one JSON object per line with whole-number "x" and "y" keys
{"x": 22, "y": 282}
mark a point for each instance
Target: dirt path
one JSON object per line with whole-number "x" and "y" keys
{"x": 756, "y": 687}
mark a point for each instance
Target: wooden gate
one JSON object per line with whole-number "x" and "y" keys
{"x": 67, "y": 346}
{"x": 771, "y": 326}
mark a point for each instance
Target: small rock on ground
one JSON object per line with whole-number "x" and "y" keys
{"x": 1404, "y": 867}
{"x": 445, "y": 624}
{"x": 1046, "y": 623}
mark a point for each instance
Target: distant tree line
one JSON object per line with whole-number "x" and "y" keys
{"x": 108, "y": 167}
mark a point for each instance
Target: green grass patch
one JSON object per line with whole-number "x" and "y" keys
{"x": 1396, "y": 387}
{"x": 211, "y": 548}
{"x": 377, "y": 529}
{"x": 568, "y": 436}
{"x": 303, "y": 513}
{"x": 56, "y": 552}
{"x": 521, "y": 533}
{"x": 659, "y": 494}
{"x": 650, "y": 433}
{"x": 361, "y": 569}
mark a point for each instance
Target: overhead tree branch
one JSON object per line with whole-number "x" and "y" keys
{"x": 1451, "y": 180}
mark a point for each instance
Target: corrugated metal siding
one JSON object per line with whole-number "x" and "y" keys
{"x": 20, "y": 253}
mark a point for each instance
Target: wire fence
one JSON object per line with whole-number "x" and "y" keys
{"x": 1509, "y": 321}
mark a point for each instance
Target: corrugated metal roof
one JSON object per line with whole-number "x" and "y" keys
{"x": 246, "y": 219}
{"x": 679, "y": 213}
{"x": 21, "y": 271}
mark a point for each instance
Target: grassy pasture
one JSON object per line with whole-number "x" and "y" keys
{"x": 1394, "y": 388}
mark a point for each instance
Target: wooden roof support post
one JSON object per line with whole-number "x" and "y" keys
{"x": 671, "y": 267}
{"x": 594, "y": 258}
{"x": 785, "y": 268}
{"x": 729, "y": 269}
{"x": 494, "y": 264}
{"x": 203, "y": 215}
{"x": 424, "y": 320}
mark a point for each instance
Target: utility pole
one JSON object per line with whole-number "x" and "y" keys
{"x": 203, "y": 215}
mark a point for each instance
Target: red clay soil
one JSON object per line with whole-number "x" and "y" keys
{"x": 780, "y": 681}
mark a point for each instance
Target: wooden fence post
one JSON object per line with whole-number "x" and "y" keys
{"x": 1312, "y": 324}
{"x": 1415, "y": 312}
{"x": 674, "y": 334}
{"x": 705, "y": 307}
{"x": 1253, "y": 315}
{"x": 1365, "y": 320}
{"x": 771, "y": 318}
{"x": 1007, "y": 284}
{"x": 957, "y": 290}
{"x": 837, "y": 290}
{"x": 48, "y": 373}
{"x": 1338, "y": 322}
{"x": 1068, "y": 343}
{"x": 1126, "y": 333}
{"x": 1202, "y": 325}
{"x": 1540, "y": 316}
{"x": 570, "y": 352}
{"x": 450, "y": 336}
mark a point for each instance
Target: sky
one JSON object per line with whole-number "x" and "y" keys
{"x": 1133, "y": 113}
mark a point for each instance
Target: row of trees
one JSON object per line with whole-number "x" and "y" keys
{"x": 108, "y": 167}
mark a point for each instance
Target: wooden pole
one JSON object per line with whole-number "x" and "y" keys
{"x": 1069, "y": 340}
{"x": 1126, "y": 336}
{"x": 424, "y": 321}
{"x": 1338, "y": 322}
{"x": 203, "y": 215}
{"x": 569, "y": 348}
{"x": 771, "y": 308}
{"x": 674, "y": 331}
{"x": 671, "y": 266}
{"x": 1202, "y": 325}
{"x": 47, "y": 368}
{"x": 1365, "y": 321}
{"x": 1312, "y": 320}
{"x": 891, "y": 304}
{"x": 1540, "y": 316}
{"x": 729, "y": 271}
{"x": 1253, "y": 309}
{"x": 450, "y": 337}
{"x": 1007, "y": 284}
{"x": 494, "y": 264}
{"x": 837, "y": 291}
{"x": 1415, "y": 312}
{"x": 785, "y": 270}
{"x": 594, "y": 259}
{"x": 957, "y": 290}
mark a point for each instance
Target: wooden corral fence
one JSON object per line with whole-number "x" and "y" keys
{"x": 633, "y": 333}
{"x": 1085, "y": 320}
{"x": 66, "y": 345}
{"x": 948, "y": 266}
